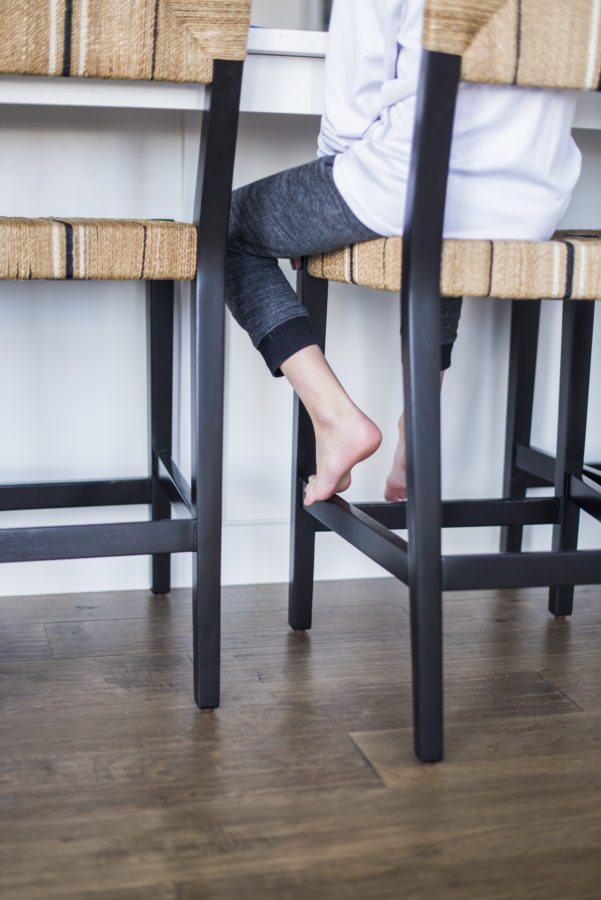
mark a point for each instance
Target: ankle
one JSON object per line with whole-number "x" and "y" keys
{"x": 333, "y": 411}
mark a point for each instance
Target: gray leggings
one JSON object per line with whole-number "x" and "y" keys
{"x": 293, "y": 213}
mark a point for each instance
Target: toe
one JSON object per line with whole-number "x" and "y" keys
{"x": 395, "y": 492}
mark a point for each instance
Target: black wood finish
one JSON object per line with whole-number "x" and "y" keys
{"x": 159, "y": 319}
{"x": 538, "y": 467}
{"x": 586, "y": 492}
{"x": 74, "y": 494}
{"x": 174, "y": 484}
{"x": 592, "y": 471}
{"x": 576, "y": 344}
{"x": 468, "y": 513}
{"x": 525, "y": 317}
{"x": 420, "y": 329}
{"x": 365, "y": 533}
{"x": 82, "y": 541}
{"x": 211, "y": 214}
{"x": 313, "y": 292}
{"x": 482, "y": 571}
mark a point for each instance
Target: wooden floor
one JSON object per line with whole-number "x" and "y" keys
{"x": 303, "y": 785}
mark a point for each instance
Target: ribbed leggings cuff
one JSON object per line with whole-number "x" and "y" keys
{"x": 445, "y": 356}
{"x": 288, "y": 338}
{"x": 296, "y": 334}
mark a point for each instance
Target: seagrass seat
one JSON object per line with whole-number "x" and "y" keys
{"x": 541, "y": 43}
{"x": 203, "y": 42}
{"x": 110, "y": 249}
{"x": 567, "y": 266}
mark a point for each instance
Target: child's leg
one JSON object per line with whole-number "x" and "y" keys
{"x": 291, "y": 214}
{"x": 343, "y": 434}
{"x": 297, "y": 213}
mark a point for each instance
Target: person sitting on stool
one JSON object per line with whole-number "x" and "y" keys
{"x": 513, "y": 167}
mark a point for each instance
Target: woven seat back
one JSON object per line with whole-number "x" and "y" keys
{"x": 544, "y": 43}
{"x": 162, "y": 40}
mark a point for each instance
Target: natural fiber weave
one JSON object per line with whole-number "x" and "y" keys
{"x": 161, "y": 40}
{"x": 121, "y": 249}
{"x": 569, "y": 266}
{"x": 545, "y": 43}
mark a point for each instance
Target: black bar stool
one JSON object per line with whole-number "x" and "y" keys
{"x": 467, "y": 40}
{"x": 206, "y": 44}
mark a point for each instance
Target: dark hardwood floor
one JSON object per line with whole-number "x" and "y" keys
{"x": 303, "y": 784}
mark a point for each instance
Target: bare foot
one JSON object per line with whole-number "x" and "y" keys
{"x": 343, "y": 434}
{"x": 396, "y": 483}
{"x": 341, "y": 442}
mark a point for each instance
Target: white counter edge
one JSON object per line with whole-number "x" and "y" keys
{"x": 286, "y": 42}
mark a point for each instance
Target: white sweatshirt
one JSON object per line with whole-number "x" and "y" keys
{"x": 513, "y": 160}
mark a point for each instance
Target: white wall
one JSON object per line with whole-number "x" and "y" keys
{"x": 72, "y": 356}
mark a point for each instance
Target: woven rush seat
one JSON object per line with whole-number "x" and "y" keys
{"x": 538, "y": 43}
{"x": 568, "y": 265}
{"x": 154, "y": 40}
{"x": 123, "y": 249}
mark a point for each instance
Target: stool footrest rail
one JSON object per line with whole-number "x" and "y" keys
{"x": 367, "y": 527}
{"x": 82, "y": 541}
{"x": 71, "y": 494}
{"x": 467, "y": 513}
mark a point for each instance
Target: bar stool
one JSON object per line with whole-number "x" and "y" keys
{"x": 146, "y": 40}
{"x": 557, "y": 45}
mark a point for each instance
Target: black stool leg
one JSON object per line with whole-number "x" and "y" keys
{"x": 421, "y": 374}
{"x": 207, "y": 358}
{"x": 313, "y": 292}
{"x": 207, "y": 325}
{"x": 420, "y": 329}
{"x": 525, "y": 317}
{"x": 160, "y": 363}
{"x": 576, "y": 344}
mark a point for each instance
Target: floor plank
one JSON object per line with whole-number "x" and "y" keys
{"x": 28, "y": 641}
{"x": 303, "y": 784}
